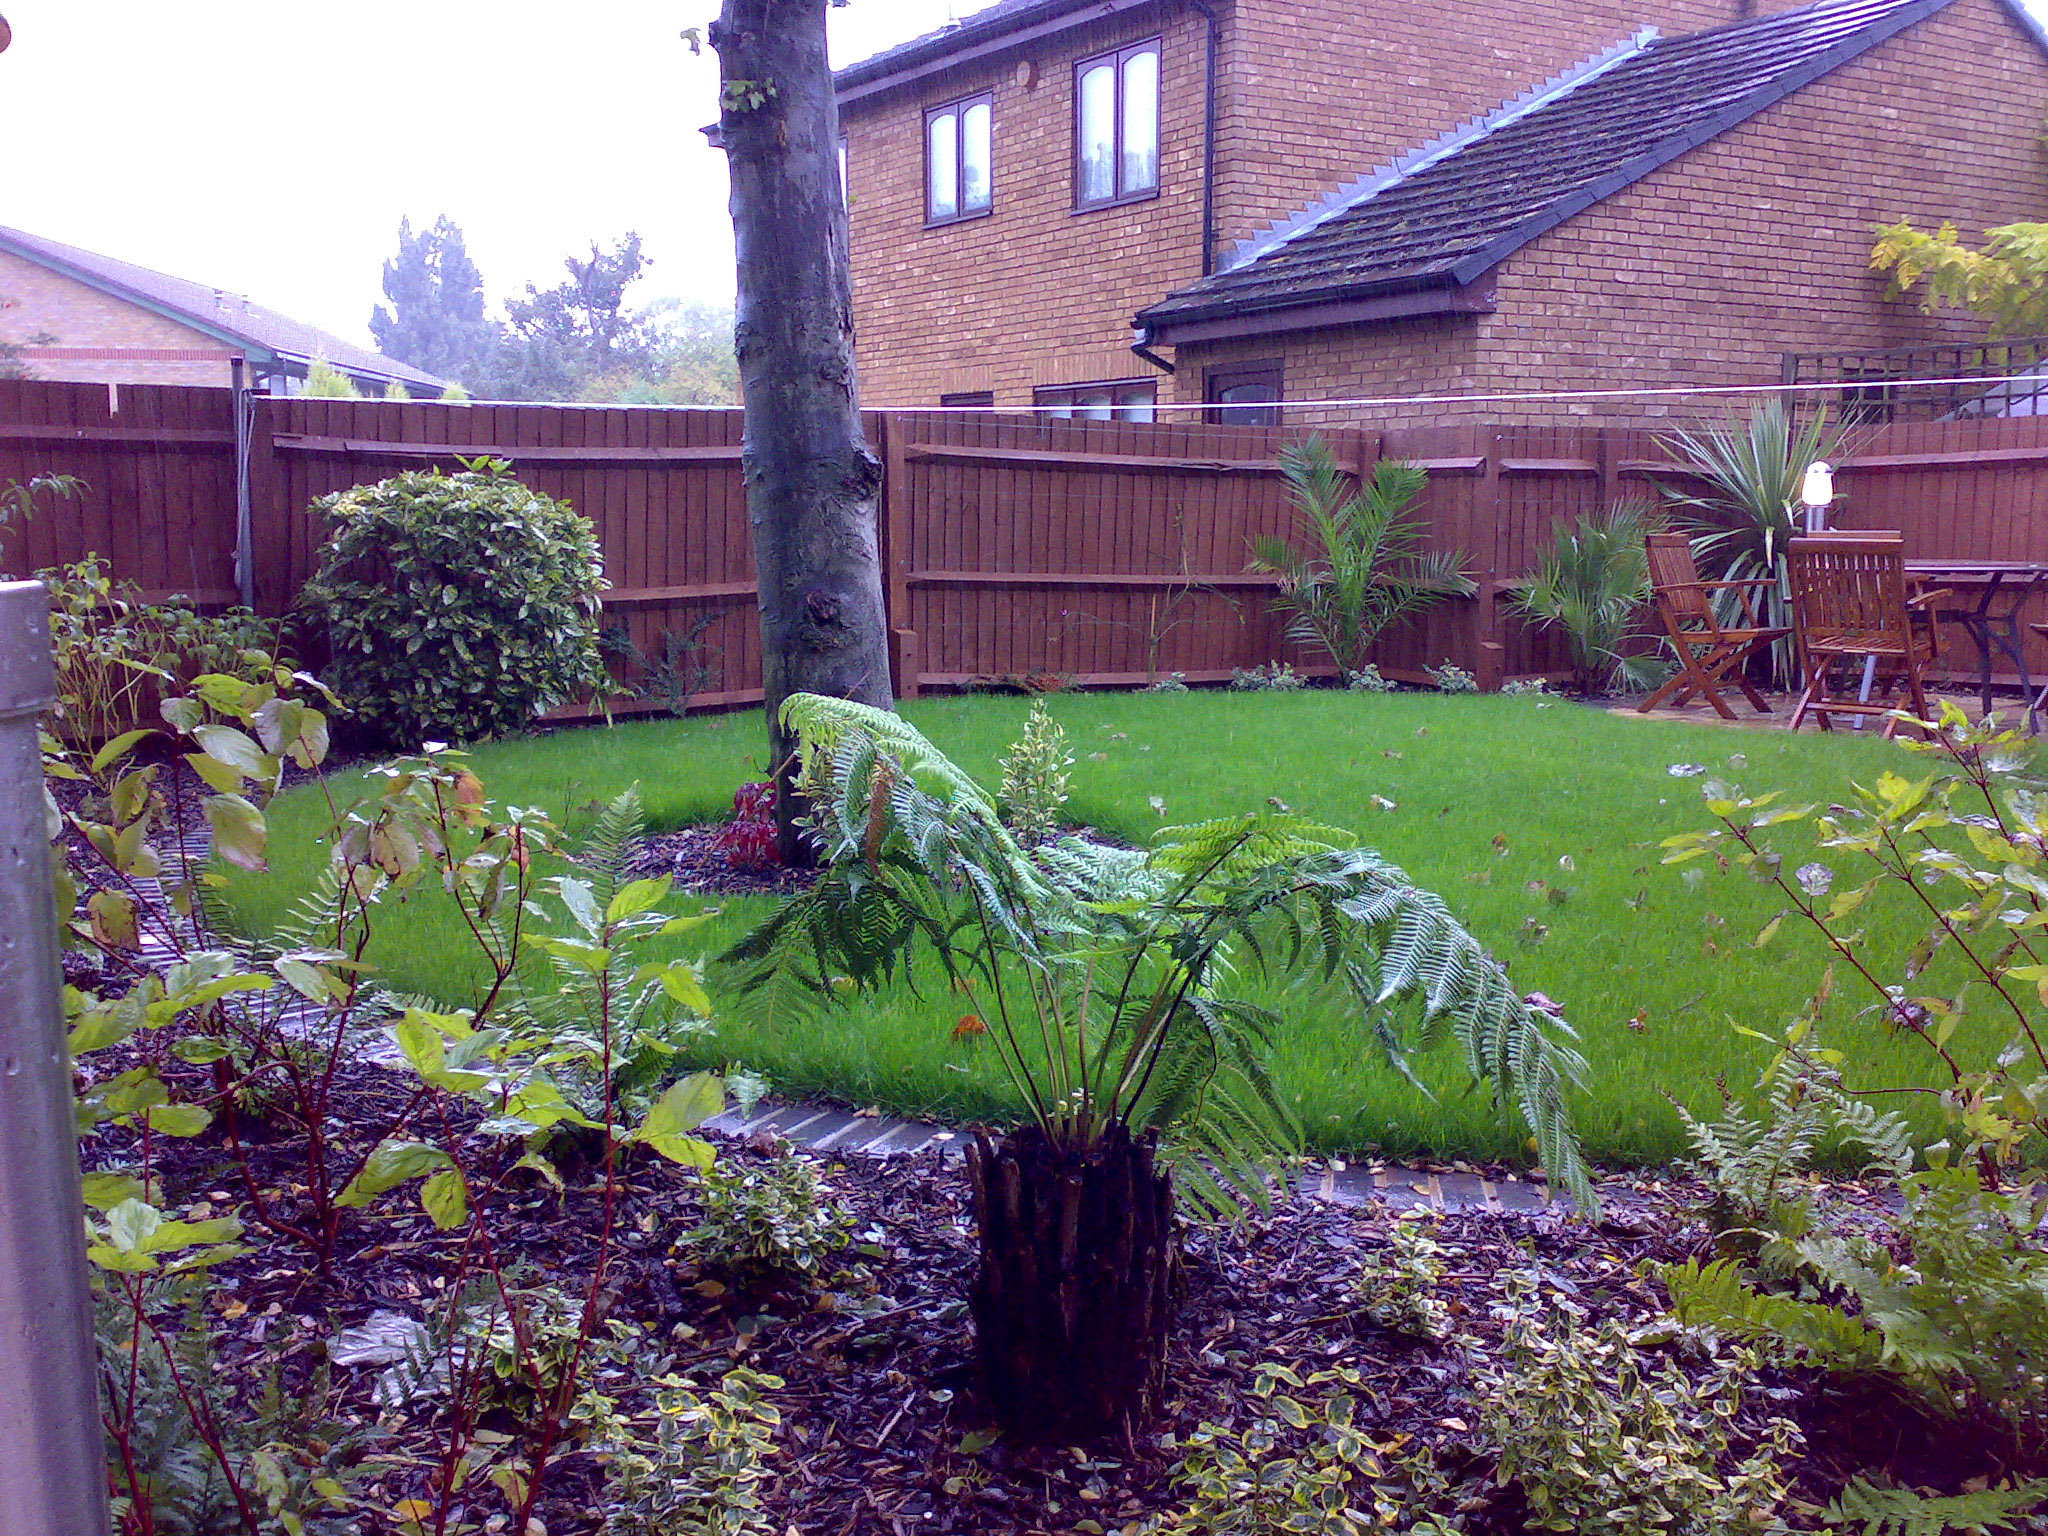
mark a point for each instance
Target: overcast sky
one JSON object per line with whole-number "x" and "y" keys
{"x": 270, "y": 147}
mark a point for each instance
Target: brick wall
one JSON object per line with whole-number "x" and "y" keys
{"x": 1752, "y": 245}
{"x": 1311, "y": 94}
{"x": 1034, "y": 293}
{"x": 34, "y": 301}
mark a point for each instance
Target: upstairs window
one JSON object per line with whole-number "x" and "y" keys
{"x": 1116, "y": 126}
{"x": 1112, "y": 400}
{"x": 957, "y": 143}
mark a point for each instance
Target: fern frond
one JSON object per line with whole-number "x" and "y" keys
{"x": 1718, "y": 1296}
{"x": 1884, "y": 1510}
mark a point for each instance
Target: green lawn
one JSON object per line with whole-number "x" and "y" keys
{"x": 1538, "y": 822}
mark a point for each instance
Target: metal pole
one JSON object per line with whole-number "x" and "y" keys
{"x": 53, "y": 1479}
{"x": 245, "y": 542}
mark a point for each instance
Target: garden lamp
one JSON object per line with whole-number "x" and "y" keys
{"x": 1817, "y": 493}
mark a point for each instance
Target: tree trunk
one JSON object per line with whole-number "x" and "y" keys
{"x": 1079, "y": 1277}
{"x": 812, "y": 480}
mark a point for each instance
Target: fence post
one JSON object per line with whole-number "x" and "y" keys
{"x": 52, "y": 1465}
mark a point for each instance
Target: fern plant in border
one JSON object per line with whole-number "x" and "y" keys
{"x": 1365, "y": 566}
{"x": 1111, "y": 982}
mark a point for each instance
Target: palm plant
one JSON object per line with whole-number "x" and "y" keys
{"x": 1366, "y": 566}
{"x": 1112, "y": 982}
{"x": 1752, "y": 471}
{"x": 1593, "y": 579}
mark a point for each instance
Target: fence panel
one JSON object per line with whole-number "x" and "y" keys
{"x": 1102, "y": 553}
{"x": 158, "y": 466}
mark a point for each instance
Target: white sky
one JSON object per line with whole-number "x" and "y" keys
{"x": 269, "y": 147}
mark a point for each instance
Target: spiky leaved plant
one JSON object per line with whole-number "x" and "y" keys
{"x": 1365, "y": 566}
{"x": 1112, "y": 982}
{"x": 1750, "y": 471}
{"x": 1590, "y": 583}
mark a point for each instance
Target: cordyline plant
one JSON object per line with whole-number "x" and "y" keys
{"x": 1749, "y": 472}
{"x": 1113, "y": 984}
{"x": 1365, "y": 567}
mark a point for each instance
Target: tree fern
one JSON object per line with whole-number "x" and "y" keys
{"x": 1108, "y": 976}
{"x": 1884, "y": 1510}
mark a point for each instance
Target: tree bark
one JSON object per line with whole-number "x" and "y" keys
{"x": 813, "y": 483}
{"x": 1079, "y": 1278}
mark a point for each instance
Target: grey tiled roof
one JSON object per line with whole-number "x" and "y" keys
{"x": 1003, "y": 16}
{"x": 210, "y": 309}
{"x": 1454, "y": 210}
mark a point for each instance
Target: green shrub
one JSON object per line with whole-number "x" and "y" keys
{"x": 1590, "y": 583}
{"x": 1524, "y": 687}
{"x": 1267, "y": 677}
{"x": 1367, "y": 679}
{"x": 457, "y": 606}
{"x": 1452, "y": 678}
{"x": 1397, "y": 1286}
{"x": 1605, "y": 1442}
{"x": 1961, "y": 1325}
{"x": 1300, "y": 1462}
{"x": 768, "y": 1222}
{"x": 1035, "y": 777}
{"x": 1173, "y": 682}
{"x": 703, "y": 1470}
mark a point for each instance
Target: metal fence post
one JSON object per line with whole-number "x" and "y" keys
{"x": 52, "y": 1464}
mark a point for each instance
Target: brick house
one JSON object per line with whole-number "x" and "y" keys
{"x": 74, "y": 315}
{"x": 1325, "y": 199}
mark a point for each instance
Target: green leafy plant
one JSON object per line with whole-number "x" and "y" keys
{"x": 1035, "y": 778}
{"x": 768, "y": 1222}
{"x": 1173, "y": 682}
{"x": 1367, "y": 679}
{"x": 1884, "y": 1510}
{"x": 1111, "y": 984}
{"x": 1756, "y": 1166}
{"x": 2005, "y": 282}
{"x": 1524, "y": 687}
{"x": 324, "y": 381}
{"x": 1366, "y": 565}
{"x": 1449, "y": 677}
{"x": 685, "y": 668}
{"x": 1745, "y": 479}
{"x": 457, "y": 606}
{"x": 19, "y": 499}
{"x": 701, "y": 1470}
{"x": 1396, "y": 1286}
{"x": 1603, "y": 1440}
{"x": 1267, "y": 677}
{"x": 1301, "y": 1462}
{"x": 1961, "y": 1324}
{"x": 1591, "y": 583}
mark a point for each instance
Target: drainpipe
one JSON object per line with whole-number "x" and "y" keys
{"x": 1207, "y": 9}
{"x": 245, "y": 540}
{"x": 1142, "y": 345}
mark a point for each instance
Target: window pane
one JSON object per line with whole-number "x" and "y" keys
{"x": 1097, "y": 149}
{"x": 1141, "y": 122}
{"x": 1135, "y": 401}
{"x": 1094, "y": 403}
{"x": 942, "y": 166}
{"x": 974, "y": 157}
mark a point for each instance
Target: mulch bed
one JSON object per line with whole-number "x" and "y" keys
{"x": 881, "y": 1387}
{"x": 700, "y": 867}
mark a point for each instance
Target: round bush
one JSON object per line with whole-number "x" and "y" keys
{"x": 457, "y": 606}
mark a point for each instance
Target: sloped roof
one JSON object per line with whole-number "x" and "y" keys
{"x": 1452, "y": 211}
{"x": 226, "y": 315}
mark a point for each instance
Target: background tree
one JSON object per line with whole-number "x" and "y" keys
{"x": 691, "y": 361}
{"x": 558, "y": 338}
{"x": 435, "y": 319}
{"x": 2006, "y": 282}
{"x": 812, "y": 480}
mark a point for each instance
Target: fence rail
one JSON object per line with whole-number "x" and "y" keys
{"x": 1104, "y": 553}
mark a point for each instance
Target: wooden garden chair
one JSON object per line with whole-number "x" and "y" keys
{"x": 1711, "y": 654}
{"x": 1863, "y": 640}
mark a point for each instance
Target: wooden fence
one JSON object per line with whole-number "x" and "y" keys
{"x": 1099, "y": 553}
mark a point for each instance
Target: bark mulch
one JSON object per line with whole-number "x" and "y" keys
{"x": 883, "y": 1428}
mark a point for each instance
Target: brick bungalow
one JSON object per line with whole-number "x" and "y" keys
{"x": 75, "y": 315}
{"x": 1320, "y": 199}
